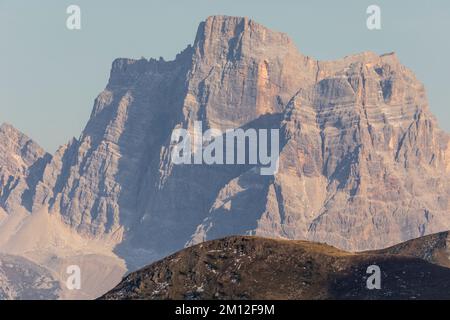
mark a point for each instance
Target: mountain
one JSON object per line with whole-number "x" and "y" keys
{"x": 258, "y": 268}
{"x": 363, "y": 164}
{"x": 359, "y": 147}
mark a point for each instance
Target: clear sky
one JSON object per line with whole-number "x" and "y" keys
{"x": 49, "y": 75}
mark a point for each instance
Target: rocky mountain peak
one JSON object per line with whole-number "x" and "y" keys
{"x": 359, "y": 147}
{"x": 18, "y": 152}
{"x": 225, "y": 36}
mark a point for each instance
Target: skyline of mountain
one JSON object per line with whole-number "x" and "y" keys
{"x": 44, "y": 63}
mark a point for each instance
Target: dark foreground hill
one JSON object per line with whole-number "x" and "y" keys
{"x": 362, "y": 162}
{"x": 259, "y": 268}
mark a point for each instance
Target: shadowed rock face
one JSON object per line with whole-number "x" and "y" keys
{"x": 257, "y": 268}
{"x": 363, "y": 163}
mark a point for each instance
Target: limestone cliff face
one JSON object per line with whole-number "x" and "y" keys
{"x": 363, "y": 155}
{"x": 21, "y": 163}
{"x": 241, "y": 71}
{"x": 368, "y": 158}
{"x": 363, "y": 163}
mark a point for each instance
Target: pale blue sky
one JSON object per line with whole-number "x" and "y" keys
{"x": 49, "y": 76}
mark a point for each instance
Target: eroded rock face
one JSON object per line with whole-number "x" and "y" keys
{"x": 363, "y": 155}
{"x": 21, "y": 163}
{"x": 363, "y": 164}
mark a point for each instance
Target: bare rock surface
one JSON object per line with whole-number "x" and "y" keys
{"x": 252, "y": 268}
{"x": 21, "y": 163}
